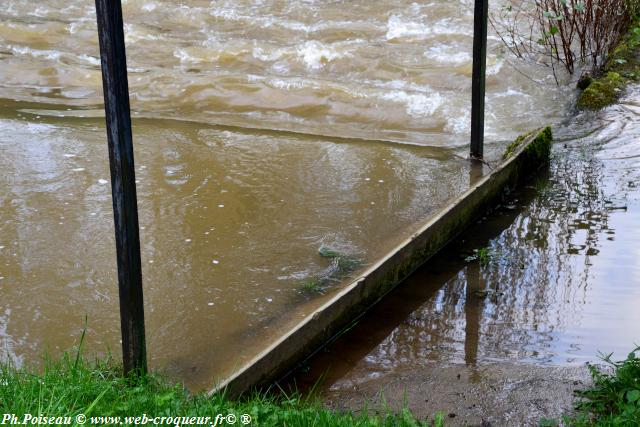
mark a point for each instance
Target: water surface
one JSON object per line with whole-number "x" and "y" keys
{"x": 262, "y": 130}
{"x": 559, "y": 285}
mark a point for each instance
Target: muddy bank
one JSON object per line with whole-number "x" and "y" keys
{"x": 496, "y": 394}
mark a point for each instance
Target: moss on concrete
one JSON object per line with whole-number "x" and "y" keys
{"x": 622, "y": 66}
{"x": 625, "y": 58}
{"x": 539, "y": 149}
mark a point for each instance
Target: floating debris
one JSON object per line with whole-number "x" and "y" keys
{"x": 342, "y": 265}
{"x": 483, "y": 293}
{"x": 327, "y": 252}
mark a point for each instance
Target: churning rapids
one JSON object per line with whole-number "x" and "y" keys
{"x": 263, "y": 131}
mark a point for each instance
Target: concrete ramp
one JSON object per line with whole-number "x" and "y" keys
{"x": 525, "y": 156}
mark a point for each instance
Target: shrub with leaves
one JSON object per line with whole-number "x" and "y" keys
{"x": 614, "y": 399}
{"x": 566, "y": 34}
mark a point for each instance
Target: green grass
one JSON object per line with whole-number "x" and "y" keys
{"x": 614, "y": 398}
{"x": 312, "y": 285}
{"x": 483, "y": 255}
{"x": 72, "y": 386}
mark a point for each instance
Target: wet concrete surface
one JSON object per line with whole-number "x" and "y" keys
{"x": 517, "y": 305}
{"x": 495, "y": 394}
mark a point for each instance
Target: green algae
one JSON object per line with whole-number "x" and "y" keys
{"x": 602, "y": 91}
{"x": 539, "y": 149}
{"x": 340, "y": 267}
{"x": 622, "y": 67}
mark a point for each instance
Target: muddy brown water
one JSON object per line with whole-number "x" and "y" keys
{"x": 262, "y": 131}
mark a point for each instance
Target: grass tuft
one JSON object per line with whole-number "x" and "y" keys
{"x": 72, "y": 385}
{"x": 614, "y": 398}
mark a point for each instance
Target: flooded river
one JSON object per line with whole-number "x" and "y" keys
{"x": 263, "y": 131}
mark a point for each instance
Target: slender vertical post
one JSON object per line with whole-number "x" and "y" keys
{"x": 123, "y": 187}
{"x": 478, "y": 78}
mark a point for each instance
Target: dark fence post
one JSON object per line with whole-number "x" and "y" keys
{"x": 123, "y": 186}
{"x": 478, "y": 78}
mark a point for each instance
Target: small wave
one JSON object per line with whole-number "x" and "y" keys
{"x": 448, "y": 55}
{"x": 399, "y": 28}
{"x": 510, "y": 92}
{"x": 459, "y": 124}
{"x": 316, "y": 55}
{"x": 418, "y": 104}
{"x": 268, "y": 56}
{"x": 149, "y": 7}
{"x": 52, "y": 55}
{"x": 90, "y": 59}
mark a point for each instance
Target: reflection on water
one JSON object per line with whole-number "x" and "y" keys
{"x": 233, "y": 209}
{"x": 560, "y": 280}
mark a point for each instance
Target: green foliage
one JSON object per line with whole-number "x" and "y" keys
{"x": 539, "y": 149}
{"x": 614, "y": 399}
{"x": 622, "y": 66}
{"x": 73, "y": 386}
{"x": 511, "y": 148}
{"x": 482, "y": 255}
{"x": 312, "y": 285}
{"x": 574, "y": 35}
{"x": 439, "y": 419}
{"x": 548, "y": 422}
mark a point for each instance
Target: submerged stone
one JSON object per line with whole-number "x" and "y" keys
{"x": 602, "y": 92}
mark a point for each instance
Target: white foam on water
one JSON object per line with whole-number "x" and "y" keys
{"x": 148, "y": 7}
{"x": 132, "y": 34}
{"x": 417, "y": 104}
{"x": 316, "y": 55}
{"x": 288, "y": 84}
{"x": 268, "y": 56}
{"x": 448, "y": 55}
{"x": 397, "y": 27}
{"x": 510, "y": 92}
{"x": 458, "y": 123}
{"x": 75, "y": 26}
{"x": 494, "y": 66}
{"x": 185, "y": 57}
{"x": 90, "y": 59}
{"x": 52, "y": 55}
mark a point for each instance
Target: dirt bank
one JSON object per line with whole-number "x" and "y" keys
{"x": 496, "y": 394}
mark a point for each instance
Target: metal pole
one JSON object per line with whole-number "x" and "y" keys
{"x": 123, "y": 187}
{"x": 478, "y": 78}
